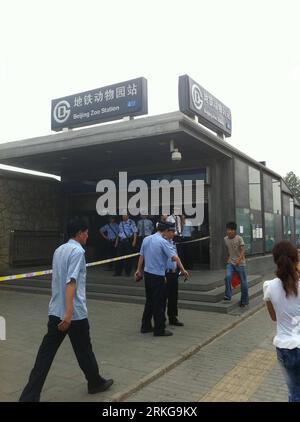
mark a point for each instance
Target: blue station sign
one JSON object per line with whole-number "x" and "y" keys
{"x": 99, "y": 105}
{"x": 194, "y": 100}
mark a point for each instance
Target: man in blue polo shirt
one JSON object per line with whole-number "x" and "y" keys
{"x": 67, "y": 315}
{"x": 155, "y": 252}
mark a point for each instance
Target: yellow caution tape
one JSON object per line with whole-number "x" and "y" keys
{"x": 91, "y": 264}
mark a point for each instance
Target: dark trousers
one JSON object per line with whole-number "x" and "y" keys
{"x": 110, "y": 252}
{"x": 172, "y": 295}
{"x": 156, "y": 293}
{"x": 124, "y": 248}
{"x": 81, "y": 343}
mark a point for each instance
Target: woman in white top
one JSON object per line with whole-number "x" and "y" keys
{"x": 283, "y": 302}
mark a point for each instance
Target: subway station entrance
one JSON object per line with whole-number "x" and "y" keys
{"x": 236, "y": 187}
{"x": 81, "y": 199}
{"x": 140, "y": 147}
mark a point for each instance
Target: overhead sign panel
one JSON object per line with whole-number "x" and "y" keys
{"x": 194, "y": 100}
{"x": 100, "y": 105}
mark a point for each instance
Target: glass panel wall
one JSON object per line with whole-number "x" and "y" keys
{"x": 276, "y": 196}
{"x": 254, "y": 189}
{"x": 269, "y": 232}
{"x": 244, "y": 227}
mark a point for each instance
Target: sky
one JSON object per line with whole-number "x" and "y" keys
{"x": 245, "y": 53}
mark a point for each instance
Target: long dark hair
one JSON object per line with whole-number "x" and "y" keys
{"x": 285, "y": 256}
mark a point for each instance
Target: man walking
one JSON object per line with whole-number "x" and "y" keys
{"x": 236, "y": 262}
{"x": 156, "y": 251}
{"x": 67, "y": 315}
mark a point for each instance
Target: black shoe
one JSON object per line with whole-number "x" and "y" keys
{"x": 176, "y": 322}
{"x": 30, "y": 400}
{"x": 165, "y": 333}
{"x": 227, "y": 299}
{"x": 102, "y": 387}
{"x": 146, "y": 330}
{"x": 243, "y": 305}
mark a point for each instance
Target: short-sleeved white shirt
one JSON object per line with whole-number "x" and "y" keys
{"x": 287, "y": 314}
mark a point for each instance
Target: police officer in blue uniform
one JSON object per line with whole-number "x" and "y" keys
{"x": 172, "y": 275}
{"x": 155, "y": 252}
{"x": 126, "y": 242}
{"x": 145, "y": 228}
{"x": 110, "y": 232}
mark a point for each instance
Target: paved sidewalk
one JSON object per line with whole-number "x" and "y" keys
{"x": 239, "y": 366}
{"x": 122, "y": 352}
{"x": 126, "y": 355}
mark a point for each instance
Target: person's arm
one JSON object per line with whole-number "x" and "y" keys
{"x": 134, "y": 240}
{"x": 227, "y": 250}
{"x": 180, "y": 266}
{"x": 76, "y": 262}
{"x": 70, "y": 292}
{"x": 242, "y": 255}
{"x": 134, "y": 233}
{"x": 138, "y": 273}
{"x": 271, "y": 310}
{"x": 103, "y": 235}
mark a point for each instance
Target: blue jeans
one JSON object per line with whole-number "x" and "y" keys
{"x": 290, "y": 362}
{"x": 244, "y": 284}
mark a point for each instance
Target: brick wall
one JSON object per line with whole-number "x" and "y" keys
{"x": 27, "y": 203}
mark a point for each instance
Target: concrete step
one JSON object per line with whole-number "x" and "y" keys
{"x": 222, "y": 306}
{"x": 195, "y": 304}
{"x": 137, "y": 289}
{"x": 214, "y": 295}
{"x": 203, "y": 281}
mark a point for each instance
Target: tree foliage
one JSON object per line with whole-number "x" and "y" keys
{"x": 293, "y": 183}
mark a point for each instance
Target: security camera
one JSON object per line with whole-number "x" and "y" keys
{"x": 176, "y": 155}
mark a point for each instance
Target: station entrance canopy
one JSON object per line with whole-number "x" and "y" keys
{"x": 139, "y": 146}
